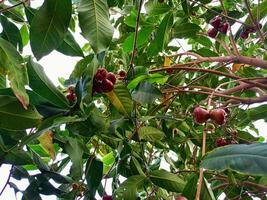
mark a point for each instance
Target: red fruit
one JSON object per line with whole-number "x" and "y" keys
{"x": 216, "y": 22}
{"x": 74, "y": 186}
{"x": 107, "y": 86}
{"x": 221, "y": 142}
{"x": 218, "y": 115}
{"x": 212, "y": 32}
{"x": 244, "y": 35}
{"x": 107, "y": 197}
{"x": 200, "y": 115}
{"x": 71, "y": 97}
{"x": 122, "y": 73}
{"x": 111, "y": 77}
{"x": 169, "y": 71}
{"x": 224, "y": 28}
{"x": 101, "y": 74}
{"x": 180, "y": 198}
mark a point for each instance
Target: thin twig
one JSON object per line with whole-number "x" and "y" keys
{"x": 7, "y": 181}
{"x": 11, "y": 7}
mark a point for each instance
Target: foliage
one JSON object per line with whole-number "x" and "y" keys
{"x": 142, "y": 134}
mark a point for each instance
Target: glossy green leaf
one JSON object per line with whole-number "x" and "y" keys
{"x": 143, "y": 37}
{"x": 95, "y": 24}
{"x": 185, "y": 30}
{"x": 150, "y": 133}
{"x": 162, "y": 36}
{"x": 49, "y": 26}
{"x": 11, "y": 33}
{"x": 248, "y": 159}
{"x": 16, "y": 157}
{"x": 24, "y": 32}
{"x": 75, "y": 151}
{"x": 258, "y": 113}
{"x": 11, "y": 64}
{"x": 14, "y": 13}
{"x": 41, "y": 84}
{"x": 121, "y": 99}
{"x": 146, "y": 93}
{"x": 69, "y": 46}
{"x": 128, "y": 189}
{"x": 154, "y": 7}
{"x": 167, "y": 180}
{"x": 93, "y": 178}
{"x": 14, "y": 117}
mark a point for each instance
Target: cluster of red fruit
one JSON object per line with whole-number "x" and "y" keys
{"x": 217, "y": 115}
{"x": 71, "y": 96}
{"x": 220, "y": 142}
{"x": 251, "y": 29}
{"x": 218, "y": 25}
{"x": 103, "y": 81}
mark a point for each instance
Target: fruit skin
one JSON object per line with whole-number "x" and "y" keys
{"x": 111, "y": 77}
{"x": 71, "y": 97}
{"x": 220, "y": 142}
{"x": 107, "y": 197}
{"x": 224, "y": 28}
{"x": 180, "y": 198}
{"x": 244, "y": 34}
{"x": 107, "y": 86}
{"x": 122, "y": 73}
{"x": 200, "y": 115}
{"x": 216, "y": 22}
{"x": 101, "y": 74}
{"x": 212, "y": 32}
{"x": 169, "y": 71}
{"x": 218, "y": 115}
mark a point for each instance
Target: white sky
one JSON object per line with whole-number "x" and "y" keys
{"x": 58, "y": 65}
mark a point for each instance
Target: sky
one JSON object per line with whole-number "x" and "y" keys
{"x": 58, "y": 65}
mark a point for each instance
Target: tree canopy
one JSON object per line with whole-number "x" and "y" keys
{"x": 159, "y": 101}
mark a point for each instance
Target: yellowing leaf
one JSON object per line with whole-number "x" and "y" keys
{"x": 167, "y": 62}
{"x": 236, "y": 67}
{"x": 46, "y": 140}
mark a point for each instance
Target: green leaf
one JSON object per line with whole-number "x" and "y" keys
{"x": 75, "y": 151}
{"x": 248, "y": 159}
{"x": 150, "y": 133}
{"x": 11, "y": 33}
{"x": 16, "y": 157}
{"x": 93, "y": 178}
{"x": 262, "y": 13}
{"x": 162, "y": 36}
{"x": 154, "y": 7}
{"x": 24, "y": 35}
{"x": 167, "y": 180}
{"x": 143, "y": 37}
{"x": 14, "y": 117}
{"x": 95, "y": 25}
{"x": 14, "y": 13}
{"x": 185, "y": 30}
{"x": 69, "y": 46}
{"x": 11, "y": 63}
{"x": 41, "y": 84}
{"x": 205, "y": 52}
{"x": 146, "y": 93}
{"x": 128, "y": 189}
{"x": 49, "y": 26}
{"x": 258, "y": 113}
{"x": 121, "y": 99}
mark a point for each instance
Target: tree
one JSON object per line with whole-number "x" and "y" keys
{"x": 137, "y": 100}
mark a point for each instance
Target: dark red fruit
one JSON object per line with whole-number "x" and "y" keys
{"x": 212, "y": 32}
{"x": 107, "y": 197}
{"x": 216, "y": 22}
{"x": 224, "y": 28}
{"x": 200, "y": 115}
{"x": 107, "y": 86}
{"x": 111, "y": 77}
{"x": 169, "y": 71}
{"x": 97, "y": 88}
{"x": 218, "y": 115}
{"x": 74, "y": 186}
{"x": 71, "y": 97}
{"x": 101, "y": 74}
{"x": 122, "y": 73}
{"x": 244, "y": 35}
{"x": 180, "y": 198}
{"x": 221, "y": 142}
{"x": 160, "y": 1}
